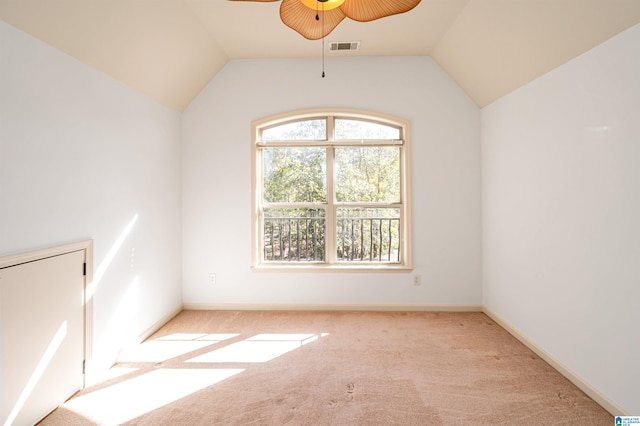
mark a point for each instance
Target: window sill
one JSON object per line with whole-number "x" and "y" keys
{"x": 288, "y": 268}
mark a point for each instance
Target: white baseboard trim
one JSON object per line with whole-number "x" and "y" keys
{"x": 158, "y": 324}
{"x": 329, "y": 307}
{"x": 613, "y": 408}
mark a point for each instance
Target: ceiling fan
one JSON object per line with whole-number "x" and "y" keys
{"x": 304, "y": 16}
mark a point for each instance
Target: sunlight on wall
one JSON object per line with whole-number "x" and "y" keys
{"x": 132, "y": 398}
{"x": 106, "y": 262}
{"x": 51, "y": 350}
{"x": 121, "y": 332}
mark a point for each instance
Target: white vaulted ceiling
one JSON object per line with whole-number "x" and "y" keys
{"x": 170, "y": 49}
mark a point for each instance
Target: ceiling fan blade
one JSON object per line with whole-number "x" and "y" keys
{"x": 368, "y": 10}
{"x": 300, "y": 18}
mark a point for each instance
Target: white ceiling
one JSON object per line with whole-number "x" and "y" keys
{"x": 170, "y": 49}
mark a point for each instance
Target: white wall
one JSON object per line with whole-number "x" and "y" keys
{"x": 446, "y": 188}
{"x": 561, "y": 209}
{"x": 81, "y": 156}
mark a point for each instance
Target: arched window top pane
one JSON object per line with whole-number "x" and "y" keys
{"x": 306, "y": 130}
{"x": 348, "y": 128}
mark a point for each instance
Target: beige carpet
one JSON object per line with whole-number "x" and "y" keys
{"x": 332, "y": 368}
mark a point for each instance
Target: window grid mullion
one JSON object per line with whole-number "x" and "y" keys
{"x": 330, "y": 221}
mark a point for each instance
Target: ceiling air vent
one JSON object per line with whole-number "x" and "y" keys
{"x": 344, "y": 45}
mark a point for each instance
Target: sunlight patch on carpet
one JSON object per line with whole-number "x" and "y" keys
{"x": 157, "y": 351}
{"x": 259, "y": 348}
{"x": 132, "y": 398}
{"x": 112, "y": 373}
{"x": 167, "y": 347}
{"x": 216, "y": 337}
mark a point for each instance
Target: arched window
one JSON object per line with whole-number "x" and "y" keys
{"x": 331, "y": 190}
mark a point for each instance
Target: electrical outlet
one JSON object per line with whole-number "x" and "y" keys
{"x": 212, "y": 278}
{"x": 416, "y": 280}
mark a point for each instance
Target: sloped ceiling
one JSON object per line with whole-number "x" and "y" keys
{"x": 170, "y": 49}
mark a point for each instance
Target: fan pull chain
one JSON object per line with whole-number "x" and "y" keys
{"x": 317, "y": 19}
{"x": 322, "y": 40}
{"x": 323, "y": 57}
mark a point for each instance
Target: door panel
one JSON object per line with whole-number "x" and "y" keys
{"x": 41, "y": 336}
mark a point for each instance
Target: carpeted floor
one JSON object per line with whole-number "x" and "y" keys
{"x": 331, "y": 368}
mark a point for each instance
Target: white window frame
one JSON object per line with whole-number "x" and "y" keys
{"x": 331, "y": 205}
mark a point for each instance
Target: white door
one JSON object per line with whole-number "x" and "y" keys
{"x": 41, "y": 336}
